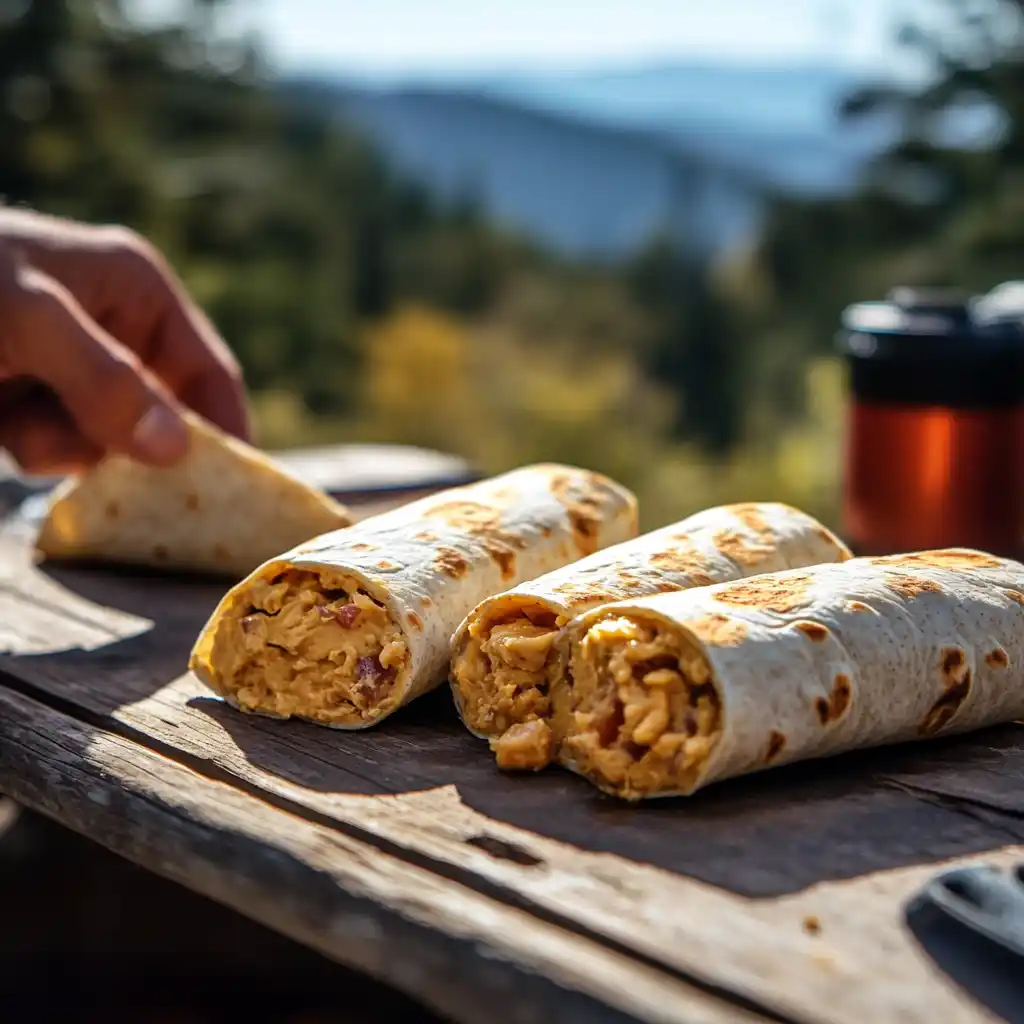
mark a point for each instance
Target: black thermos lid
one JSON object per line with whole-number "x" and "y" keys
{"x": 934, "y": 347}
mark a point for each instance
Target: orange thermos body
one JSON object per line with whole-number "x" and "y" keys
{"x": 935, "y": 430}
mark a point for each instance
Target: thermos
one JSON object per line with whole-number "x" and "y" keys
{"x": 935, "y": 430}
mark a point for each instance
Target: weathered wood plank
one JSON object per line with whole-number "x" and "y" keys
{"x": 835, "y": 841}
{"x": 461, "y": 953}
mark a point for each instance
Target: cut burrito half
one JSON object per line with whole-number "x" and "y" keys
{"x": 352, "y": 625}
{"x": 223, "y": 509}
{"x": 502, "y": 653}
{"x": 663, "y": 695}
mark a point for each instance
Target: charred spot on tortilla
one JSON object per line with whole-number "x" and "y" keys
{"x": 385, "y": 566}
{"x": 362, "y": 546}
{"x": 586, "y": 523}
{"x": 910, "y": 586}
{"x": 950, "y": 558}
{"x": 546, "y": 532}
{"x": 584, "y": 505}
{"x": 945, "y": 708}
{"x": 451, "y": 563}
{"x": 750, "y": 515}
{"x": 776, "y": 745}
{"x": 812, "y": 924}
{"x": 770, "y": 593}
{"x": 814, "y": 631}
{"x": 997, "y": 658}
{"x": 682, "y": 558}
{"x": 954, "y": 664}
{"x": 587, "y": 592}
{"x": 468, "y": 516}
{"x": 833, "y": 707}
{"x": 192, "y": 501}
{"x": 415, "y": 621}
{"x": 718, "y": 630}
{"x": 859, "y": 606}
{"x": 1016, "y": 596}
{"x": 504, "y": 557}
{"x": 426, "y": 536}
{"x": 112, "y": 510}
{"x": 739, "y": 549}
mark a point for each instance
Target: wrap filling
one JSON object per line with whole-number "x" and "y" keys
{"x": 502, "y": 676}
{"x": 313, "y": 645}
{"x": 640, "y": 713}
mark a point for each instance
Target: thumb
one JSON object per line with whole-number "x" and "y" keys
{"x": 114, "y": 401}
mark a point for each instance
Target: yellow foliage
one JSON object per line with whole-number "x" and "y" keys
{"x": 501, "y": 400}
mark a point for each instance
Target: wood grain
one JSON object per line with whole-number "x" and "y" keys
{"x": 463, "y": 954}
{"x": 720, "y": 887}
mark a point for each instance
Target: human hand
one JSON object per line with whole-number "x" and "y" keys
{"x": 99, "y": 343}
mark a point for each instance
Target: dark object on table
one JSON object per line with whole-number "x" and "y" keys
{"x": 935, "y": 453}
{"x": 970, "y": 920}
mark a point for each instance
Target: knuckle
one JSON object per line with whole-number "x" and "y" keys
{"x": 135, "y": 254}
{"x": 30, "y": 305}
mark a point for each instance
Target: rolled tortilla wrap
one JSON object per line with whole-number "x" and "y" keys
{"x": 502, "y": 653}
{"x": 346, "y": 628}
{"x": 661, "y": 696}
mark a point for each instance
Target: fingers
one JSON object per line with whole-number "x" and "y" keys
{"x": 40, "y": 435}
{"x": 198, "y": 367}
{"x": 174, "y": 338}
{"x": 115, "y": 404}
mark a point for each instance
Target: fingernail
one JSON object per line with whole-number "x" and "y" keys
{"x": 160, "y": 437}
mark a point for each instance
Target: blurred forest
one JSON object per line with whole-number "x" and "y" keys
{"x": 362, "y": 309}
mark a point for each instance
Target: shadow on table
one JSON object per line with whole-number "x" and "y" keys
{"x": 766, "y": 835}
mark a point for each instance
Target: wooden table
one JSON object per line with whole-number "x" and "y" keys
{"x": 404, "y": 853}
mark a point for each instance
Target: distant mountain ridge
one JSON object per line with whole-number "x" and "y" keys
{"x": 596, "y": 163}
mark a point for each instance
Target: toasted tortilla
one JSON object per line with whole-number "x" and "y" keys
{"x": 502, "y": 652}
{"x": 666, "y": 694}
{"x": 346, "y": 628}
{"x": 222, "y": 510}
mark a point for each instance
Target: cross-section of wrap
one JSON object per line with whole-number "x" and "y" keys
{"x": 502, "y": 653}
{"x": 663, "y": 695}
{"x": 346, "y": 628}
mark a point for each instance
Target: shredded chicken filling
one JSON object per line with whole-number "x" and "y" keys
{"x": 641, "y": 714}
{"x": 501, "y": 675}
{"x": 311, "y": 645}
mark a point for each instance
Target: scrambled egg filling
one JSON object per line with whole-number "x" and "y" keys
{"x": 641, "y": 714}
{"x": 312, "y": 645}
{"x": 501, "y": 674}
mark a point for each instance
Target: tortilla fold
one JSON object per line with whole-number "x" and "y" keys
{"x": 666, "y": 694}
{"x": 223, "y": 509}
{"x": 503, "y": 651}
{"x": 347, "y": 628}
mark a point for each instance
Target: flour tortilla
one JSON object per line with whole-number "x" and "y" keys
{"x": 427, "y": 564}
{"x": 810, "y": 663}
{"x": 719, "y": 544}
{"x": 224, "y": 509}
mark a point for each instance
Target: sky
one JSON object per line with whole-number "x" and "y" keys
{"x": 449, "y": 38}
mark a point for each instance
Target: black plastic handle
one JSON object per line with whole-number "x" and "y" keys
{"x": 982, "y": 899}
